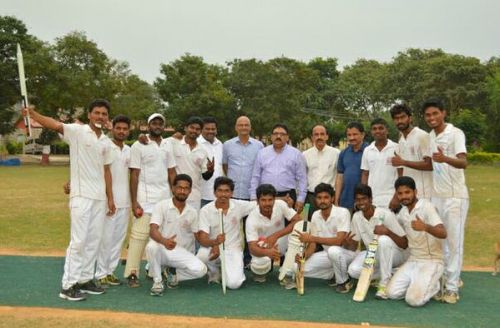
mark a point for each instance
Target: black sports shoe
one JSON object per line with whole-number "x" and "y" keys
{"x": 90, "y": 287}
{"x": 133, "y": 282}
{"x": 72, "y": 294}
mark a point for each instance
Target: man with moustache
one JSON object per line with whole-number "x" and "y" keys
{"x": 90, "y": 188}
{"x": 210, "y": 236}
{"x": 192, "y": 159}
{"x": 152, "y": 171}
{"x": 208, "y": 140}
{"x": 349, "y": 166}
{"x": 115, "y": 227}
{"x": 281, "y": 166}
{"x": 376, "y": 166}
{"x": 449, "y": 193}
{"x": 321, "y": 163}
{"x": 418, "y": 279}
{"x": 414, "y": 155}
{"x": 173, "y": 231}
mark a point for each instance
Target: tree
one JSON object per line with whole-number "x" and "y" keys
{"x": 473, "y": 124}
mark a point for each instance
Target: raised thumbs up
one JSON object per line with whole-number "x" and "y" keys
{"x": 418, "y": 224}
{"x": 439, "y": 156}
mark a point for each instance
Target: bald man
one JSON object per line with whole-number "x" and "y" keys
{"x": 238, "y": 157}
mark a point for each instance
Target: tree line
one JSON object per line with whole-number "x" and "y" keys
{"x": 66, "y": 74}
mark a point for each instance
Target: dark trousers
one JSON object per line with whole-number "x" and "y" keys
{"x": 311, "y": 200}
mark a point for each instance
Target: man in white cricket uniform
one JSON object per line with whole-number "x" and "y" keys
{"x": 377, "y": 170}
{"x": 329, "y": 226}
{"x": 174, "y": 226}
{"x": 192, "y": 159}
{"x": 414, "y": 156}
{"x": 418, "y": 279}
{"x": 266, "y": 232}
{"x": 449, "y": 194}
{"x": 321, "y": 163}
{"x": 152, "y": 169}
{"x": 115, "y": 227}
{"x": 211, "y": 237}
{"x": 214, "y": 148}
{"x": 90, "y": 187}
{"x": 368, "y": 222}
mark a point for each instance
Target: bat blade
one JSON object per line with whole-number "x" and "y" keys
{"x": 367, "y": 272}
{"x": 222, "y": 254}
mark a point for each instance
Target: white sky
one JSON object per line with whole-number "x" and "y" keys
{"x": 149, "y": 32}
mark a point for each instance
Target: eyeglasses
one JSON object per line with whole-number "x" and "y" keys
{"x": 279, "y": 134}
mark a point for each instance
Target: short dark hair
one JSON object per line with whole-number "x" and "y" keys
{"x": 121, "y": 119}
{"x": 355, "y": 125}
{"x": 400, "y": 108}
{"x": 433, "y": 102}
{"x": 99, "y": 103}
{"x": 363, "y": 189}
{"x": 265, "y": 190}
{"x": 324, "y": 187}
{"x": 319, "y": 124}
{"x": 377, "y": 121}
{"x": 280, "y": 125}
{"x": 209, "y": 119}
{"x": 194, "y": 120}
{"x": 405, "y": 181}
{"x": 183, "y": 177}
{"x": 220, "y": 181}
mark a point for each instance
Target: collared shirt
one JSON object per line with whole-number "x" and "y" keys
{"x": 210, "y": 221}
{"x": 173, "y": 223}
{"x": 422, "y": 245}
{"x": 349, "y": 165}
{"x": 88, "y": 155}
{"x": 321, "y": 166}
{"x": 382, "y": 174}
{"x": 363, "y": 228}
{"x": 214, "y": 150}
{"x": 240, "y": 159}
{"x": 258, "y": 225}
{"x": 449, "y": 182}
{"x": 284, "y": 170}
{"x": 415, "y": 147}
{"x": 192, "y": 162}
{"x": 339, "y": 220}
{"x": 154, "y": 161}
{"x": 119, "y": 173}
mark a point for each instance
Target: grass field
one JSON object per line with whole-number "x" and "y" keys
{"x": 34, "y": 211}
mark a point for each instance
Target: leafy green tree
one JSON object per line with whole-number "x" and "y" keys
{"x": 473, "y": 123}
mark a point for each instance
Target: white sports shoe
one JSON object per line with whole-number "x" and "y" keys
{"x": 157, "y": 289}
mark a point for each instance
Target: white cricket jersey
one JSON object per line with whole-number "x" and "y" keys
{"x": 192, "y": 162}
{"x": 172, "y": 223}
{"x": 382, "y": 174}
{"x": 321, "y": 166}
{"x": 214, "y": 150}
{"x": 363, "y": 228}
{"x": 339, "y": 220}
{"x": 415, "y": 147}
{"x": 422, "y": 245}
{"x": 154, "y": 161}
{"x": 209, "y": 221}
{"x": 448, "y": 181}
{"x": 258, "y": 225}
{"x": 119, "y": 171}
{"x": 88, "y": 155}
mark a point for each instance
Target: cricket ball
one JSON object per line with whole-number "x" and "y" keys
{"x": 139, "y": 212}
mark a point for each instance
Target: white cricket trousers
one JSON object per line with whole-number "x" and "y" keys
{"x": 87, "y": 219}
{"x": 234, "y": 266}
{"x": 416, "y": 281}
{"x": 187, "y": 265}
{"x": 388, "y": 256}
{"x": 327, "y": 263}
{"x": 453, "y": 212}
{"x": 262, "y": 265}
{"x": 139, "y": 237}
{"x": 114, "y": 232}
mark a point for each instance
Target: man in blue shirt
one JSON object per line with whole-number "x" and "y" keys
{"x": 349, "y": 166}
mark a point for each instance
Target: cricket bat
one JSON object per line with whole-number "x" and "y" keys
{"x": 222, "y": 253}
{"x": 299, "y": 277}
{"x": 22, "y": 83}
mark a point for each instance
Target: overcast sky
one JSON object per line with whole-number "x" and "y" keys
{"x": 149, "y": 32}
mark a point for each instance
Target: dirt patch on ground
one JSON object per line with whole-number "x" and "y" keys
{"x": 49, "y": 317}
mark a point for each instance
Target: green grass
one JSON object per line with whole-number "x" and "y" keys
{"x": 34, "y": 210}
